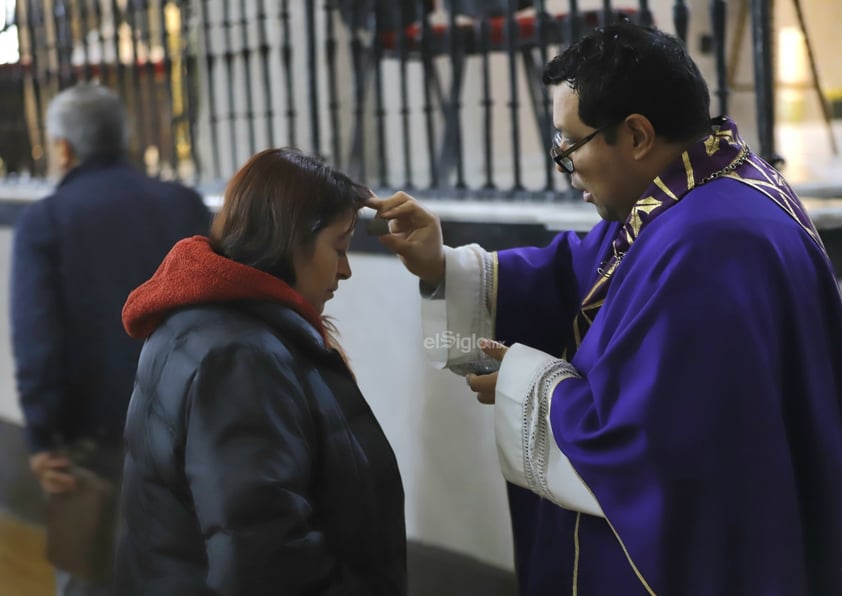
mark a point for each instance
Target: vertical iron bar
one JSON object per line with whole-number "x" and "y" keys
{"x": 545, "y": 116}
{"x": 180, "y": 73}
{"x": 165, "y": 94}
{"x": 246, "y": 56}
{"x": 680, "y": 16}
{"x": 312, "y": 79}
{"x": 286, "y": 54}
{"x": 514, "y": 104}
{"x": 126, "y": 74}
{"x": 82, "y": 20}
{"x": 190, "y": 60}
{"x": 357, "y": 158}
{"x": 379, "y": 110}
{"x": 332, "y": 92}
{"x": 63, "y": 44}
{"x": 227, "y": 25}
{"x": 607, "y": 16}
{"x": 170, "y": 90}
{"x": 120, "y": 68}
{"x": 213, "y": 117}
{"x": 44, "y": 44}
{"x": 487, "y": 102}
{"x": 48, "y": 77}
{"x": 403, "y": 53}
{"x": 717, "y": 18}
{"x": 15, "y": 130}
{"x": 107, "y": 75}
{"x": 761, "y": 26}
{"x": 142, "y": 30}
{"x": 644, "y": 15}
{"x": 263, "y": 47}
{"x": 429, "y": 77}
{"x": 27, "y": 20}
{"x": 453, "y": 103}
{"x": 137, "y": 99}
{"x": 574, "y": 25}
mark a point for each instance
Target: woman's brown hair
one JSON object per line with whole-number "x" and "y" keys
{"x": 276, "y": 204}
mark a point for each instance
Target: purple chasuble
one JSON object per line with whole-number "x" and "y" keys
{"x": 708, "y": 420}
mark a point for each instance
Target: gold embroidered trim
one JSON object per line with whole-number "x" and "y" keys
{"x": 628, "y": 557}
{"x": 688, "y": 167}
{"x": 495, "y": 282}
{"x": 576, "y": 555}
{"x": 770, "y": 190}
{"x": 664, "y": 188}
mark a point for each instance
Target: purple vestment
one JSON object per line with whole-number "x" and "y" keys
{"x": 708, "y": 419}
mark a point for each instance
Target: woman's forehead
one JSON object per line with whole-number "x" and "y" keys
{"x": 343, "y": 225}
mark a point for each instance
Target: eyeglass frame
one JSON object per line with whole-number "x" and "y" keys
{"x": 562, "y": 158}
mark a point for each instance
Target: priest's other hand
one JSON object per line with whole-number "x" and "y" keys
{"x": 414, "y": 235}
{"x": 486, "y": 385}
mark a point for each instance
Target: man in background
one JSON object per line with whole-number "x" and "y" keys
{"x": 76, "y": 256}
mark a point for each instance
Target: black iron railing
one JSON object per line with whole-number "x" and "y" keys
{"x": 396, "y": 94}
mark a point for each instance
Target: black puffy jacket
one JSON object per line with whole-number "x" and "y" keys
{"x": 254, "y": 465}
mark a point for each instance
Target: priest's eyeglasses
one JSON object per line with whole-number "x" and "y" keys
{"x": 562, "y": 156}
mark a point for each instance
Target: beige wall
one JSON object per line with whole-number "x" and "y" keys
{"x": 9, "y": 409}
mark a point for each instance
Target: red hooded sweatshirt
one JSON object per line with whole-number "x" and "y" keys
{"x": 192, "y": 273}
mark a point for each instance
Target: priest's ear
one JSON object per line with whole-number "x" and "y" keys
{"x": 641, "y": 134}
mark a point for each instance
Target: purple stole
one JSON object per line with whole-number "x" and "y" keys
{"x": 721, "y": 154}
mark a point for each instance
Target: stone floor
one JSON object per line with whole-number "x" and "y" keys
{"x": 432, "y": 572}
{"x": 23, "y": 569}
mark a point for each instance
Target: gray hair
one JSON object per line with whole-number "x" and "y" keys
{"x": 91, "y": 118}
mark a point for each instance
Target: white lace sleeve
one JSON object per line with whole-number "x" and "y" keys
{"x": 529, "y": 455}
{"x": 452, "y": 326}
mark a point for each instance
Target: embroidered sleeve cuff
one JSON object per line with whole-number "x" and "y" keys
{"x": 528, "y": 453}
{"x": 452, "y": 326}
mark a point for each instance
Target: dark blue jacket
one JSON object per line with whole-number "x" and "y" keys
{"x": 77, "y": 254}
{"x": 254, "y": 465}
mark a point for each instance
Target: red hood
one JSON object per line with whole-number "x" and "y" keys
{"x": 192, "y": 273}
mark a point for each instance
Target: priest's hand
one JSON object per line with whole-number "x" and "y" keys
{"x": 414, "y": 235}
{"x": 486, "y": 385}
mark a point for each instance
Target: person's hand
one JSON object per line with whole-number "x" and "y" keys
{"x": 415, "y": 235}
{"x": 53, "y": 472}
{"x": 486, "y": 385}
